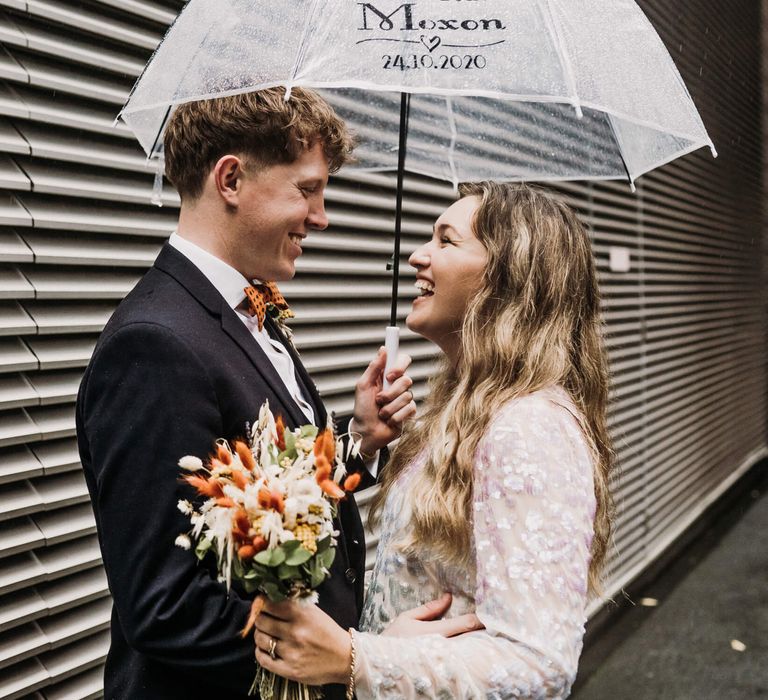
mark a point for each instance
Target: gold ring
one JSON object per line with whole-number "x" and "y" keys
{"x": 273, "y": 648}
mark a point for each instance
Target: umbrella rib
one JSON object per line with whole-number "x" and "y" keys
{"x": 149, "y": 62}
{"x": 621, "y": 152}
{"x": 301, "y": 50}
{"x": 452, "y": 147}
{"x": 562, "y": 53}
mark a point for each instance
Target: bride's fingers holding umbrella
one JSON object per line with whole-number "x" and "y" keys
{"x": 393, "y": 411}
{"x": 378, "y": 412}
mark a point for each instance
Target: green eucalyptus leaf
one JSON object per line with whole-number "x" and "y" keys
{"x": 327, "y": 557}
{"x": 271, "y": 557}
{"x": 202, "y": 547}
{"x": 290, "y": 546}
{"x": 309, "y": 431}
{"x": 323, "y": 544}
{"x": 273, "y": 592}
{"x": 298, "y": 557}
{"x": 278, "y": 556}
{"x": 290, "y": 444}
{"x": 317, "y": 578}
{"x": 287, "y": 572}
{"x": 263, "y": 557}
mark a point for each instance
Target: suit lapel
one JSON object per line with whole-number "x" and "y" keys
{"x": 173, "y": 263}
{"x": 236, "y": 330}
{"x": 305, "y": 381}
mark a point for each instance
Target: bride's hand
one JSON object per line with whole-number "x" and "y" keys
{"x": 309, "y": 646}
{"x": 427, "y": 619}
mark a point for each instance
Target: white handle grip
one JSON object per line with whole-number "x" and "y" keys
{"x": 392, "y": 346}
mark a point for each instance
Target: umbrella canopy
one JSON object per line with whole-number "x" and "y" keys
{"x": 501, "y": 89}
{"x": 488, "y": 89}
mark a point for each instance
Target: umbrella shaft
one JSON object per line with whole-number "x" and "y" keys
{"x": 405, "y": 101}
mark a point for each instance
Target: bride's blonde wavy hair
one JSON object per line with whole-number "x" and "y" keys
{"x": 534, "y": 322}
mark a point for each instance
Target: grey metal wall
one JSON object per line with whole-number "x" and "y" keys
{"x": 686, "y": 326}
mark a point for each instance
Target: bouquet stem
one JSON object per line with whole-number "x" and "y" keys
{"x": 274, "y": 687}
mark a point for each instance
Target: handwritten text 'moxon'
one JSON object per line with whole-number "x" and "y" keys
{"x": 403, "y": 18}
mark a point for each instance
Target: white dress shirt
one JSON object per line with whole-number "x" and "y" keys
{"x": 230, "y": 284}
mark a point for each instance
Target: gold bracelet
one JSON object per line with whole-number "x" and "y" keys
{"x": 352, "y": 667}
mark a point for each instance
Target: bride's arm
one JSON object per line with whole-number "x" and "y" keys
{"x": 533, "y": 510}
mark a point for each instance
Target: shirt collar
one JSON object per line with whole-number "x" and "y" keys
{"x": 227, "y": 281}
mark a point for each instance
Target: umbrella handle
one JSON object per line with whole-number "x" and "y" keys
{"x": 392, "y": 345}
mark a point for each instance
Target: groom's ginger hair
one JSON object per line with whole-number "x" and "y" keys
{"x": 262, "y": 126}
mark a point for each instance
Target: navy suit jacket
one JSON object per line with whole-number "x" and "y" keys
{"x": 174, "y": 370}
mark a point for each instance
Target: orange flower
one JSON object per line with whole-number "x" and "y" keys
{"x": 246, "y": 552}
{"x": 223, "y": 454}
{"x": 280, "y": 429}
{"x": 265, "y": 497}
{"x": 259, "y": 543}
{"x": 322, "y": 468}
{"x": 217, "y": 464}
{"x": 271, "y": 499}
{"x": 205, "y": 487}
{"x": 256, "y": 606}
{"x": 241, "y": 525}
{"x": 332, "y": 489}
{"x": 246, "y": 456}
{"x": 352, "y": 482}
{"x": 240, "y": 479}
{"x": 277, "y": 502}
{"x": 325, "y": 445}
{"x": 225, "y": 502}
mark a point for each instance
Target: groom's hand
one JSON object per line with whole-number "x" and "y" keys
{"x": 379, "y": 413}
{"x": 428, "y": 619}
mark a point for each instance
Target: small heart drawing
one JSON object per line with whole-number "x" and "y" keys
{"x": 432, "y": 43}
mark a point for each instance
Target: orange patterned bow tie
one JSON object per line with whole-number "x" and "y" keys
{"x": 258, "y": 297}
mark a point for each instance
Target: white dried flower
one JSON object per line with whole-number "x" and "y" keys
{"x": 234, "y": 492}
{"x": 191, "y": 463}
{"x": 183, "y": 541}
{"x": 339, "y": 473}
{"x": 305, "y": 444}
{"x": 185, "y": 507}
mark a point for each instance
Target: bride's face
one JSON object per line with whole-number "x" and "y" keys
{"x": 449, "y": 272}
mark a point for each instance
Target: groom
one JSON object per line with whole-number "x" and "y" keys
{"x": 188, "y": 358}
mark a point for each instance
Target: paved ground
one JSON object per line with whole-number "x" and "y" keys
{"x": 716, "y": 592}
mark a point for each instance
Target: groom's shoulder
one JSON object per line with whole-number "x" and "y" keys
{"x": 158, "y": 300}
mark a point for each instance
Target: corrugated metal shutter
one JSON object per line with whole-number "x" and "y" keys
{"x": 75, "y": 235}
{"x": 686, "y": 326}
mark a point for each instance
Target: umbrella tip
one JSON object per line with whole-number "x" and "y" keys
{"x": 157, "y": 189}
{"x": 713, "y": 149}
{"x": 288, "y": 90}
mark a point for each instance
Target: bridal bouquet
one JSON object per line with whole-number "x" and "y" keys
{"x": 268, "y": 519}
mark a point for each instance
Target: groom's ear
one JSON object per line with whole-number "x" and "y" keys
{"x": 228, "y": 174}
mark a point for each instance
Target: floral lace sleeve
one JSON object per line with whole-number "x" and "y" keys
{"x": 533, "y": 513}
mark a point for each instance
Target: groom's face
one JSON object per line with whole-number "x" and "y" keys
{"x": 279, "y": 206}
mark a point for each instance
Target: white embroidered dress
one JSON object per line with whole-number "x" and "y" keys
{"x": 534, "y": 507}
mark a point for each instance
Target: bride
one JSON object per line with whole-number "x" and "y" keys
{"x": 498, "y": 494}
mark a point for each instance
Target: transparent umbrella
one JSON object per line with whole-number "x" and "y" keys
{"x": 540, "y": 90}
